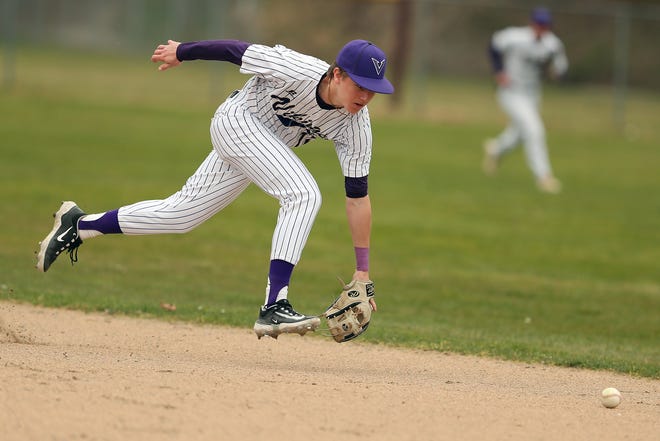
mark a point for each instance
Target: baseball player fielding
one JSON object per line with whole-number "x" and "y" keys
{"x": 289, "y": 100}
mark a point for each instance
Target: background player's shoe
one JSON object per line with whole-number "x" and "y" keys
{"x": 63, "y": 236}
{"x": 490, "y": 162}
{"x": 549, "y": 184}
{"x": 280, "y": 317}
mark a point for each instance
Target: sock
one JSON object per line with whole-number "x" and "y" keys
{"x": 92, "y": 225}
{"x": 278, "y": 281}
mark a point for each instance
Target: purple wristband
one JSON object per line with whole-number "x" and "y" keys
{"x": 362, "y": 258}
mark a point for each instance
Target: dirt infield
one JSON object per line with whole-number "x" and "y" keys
{"x": 67, "y": 375}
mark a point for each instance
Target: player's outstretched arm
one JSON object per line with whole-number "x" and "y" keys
{"x": 166, "y": 54}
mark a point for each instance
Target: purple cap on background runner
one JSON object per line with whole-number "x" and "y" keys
{"x": 365, "y": 63}
{"x": 542, "y": 16}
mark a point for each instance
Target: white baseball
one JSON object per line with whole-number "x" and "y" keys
{"x": 610, "y": 397}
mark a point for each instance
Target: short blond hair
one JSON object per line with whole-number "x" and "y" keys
{"x": 331, "y": 69}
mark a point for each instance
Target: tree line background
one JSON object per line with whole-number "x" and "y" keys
{"x": 608, "y": 42}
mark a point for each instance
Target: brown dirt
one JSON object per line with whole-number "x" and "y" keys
{"x": 67, "y": 375}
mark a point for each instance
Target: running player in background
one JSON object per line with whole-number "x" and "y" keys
{"x": 520, "y": 56}
{"x": 289, "y": 100}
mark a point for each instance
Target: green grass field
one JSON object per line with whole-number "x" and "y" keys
{"x": 462, "y": 262}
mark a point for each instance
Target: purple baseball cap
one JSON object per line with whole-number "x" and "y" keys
{"x": 365, "y": 63}
{"x": 542, "y": 16}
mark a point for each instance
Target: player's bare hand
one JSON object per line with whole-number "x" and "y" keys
{"x": 166, "y": 54}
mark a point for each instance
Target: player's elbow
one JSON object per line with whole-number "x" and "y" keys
{"x": 356, "y": 187}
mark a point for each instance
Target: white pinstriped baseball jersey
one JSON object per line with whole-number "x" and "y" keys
{"x": 282, "y": 95}
{"x": 253, "y": 133}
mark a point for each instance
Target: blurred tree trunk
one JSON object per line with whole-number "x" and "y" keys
{"x": 401, "y": 52}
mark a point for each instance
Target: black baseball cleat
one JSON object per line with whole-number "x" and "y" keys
{"x": 63, "y": 236}
{"x": 280, "y": 317}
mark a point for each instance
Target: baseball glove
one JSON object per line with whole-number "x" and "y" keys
{"x": 350, "y": 313}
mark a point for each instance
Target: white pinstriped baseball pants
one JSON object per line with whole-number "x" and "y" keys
{"x": 525, "y": 127}
{"x": 244, "y": 151}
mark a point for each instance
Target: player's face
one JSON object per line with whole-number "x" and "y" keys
{"x": 540, "y": 30}
{"x": 351, "y": 96}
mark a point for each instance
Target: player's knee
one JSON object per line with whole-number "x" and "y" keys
{"x": 533, "y": 136}
{"x": 309, "y": 199}
{"x": 313, "y": 199}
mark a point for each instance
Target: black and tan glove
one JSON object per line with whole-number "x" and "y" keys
{"x": 350, "y": 314}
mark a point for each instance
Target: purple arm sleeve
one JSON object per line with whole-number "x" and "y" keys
{"x": 217, "y": 50}
{"x": 495, "y": 58}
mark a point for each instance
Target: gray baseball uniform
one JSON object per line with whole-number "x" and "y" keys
{"x": 523, "y": 55}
